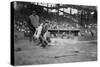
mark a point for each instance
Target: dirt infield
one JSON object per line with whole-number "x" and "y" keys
{"x": 61, "y": 51}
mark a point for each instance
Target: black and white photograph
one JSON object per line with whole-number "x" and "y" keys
{"x": 52, "y": 33}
